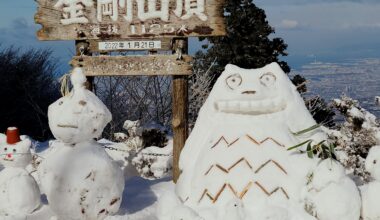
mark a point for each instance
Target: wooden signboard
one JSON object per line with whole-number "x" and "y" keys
{"x": 151, "y": 65}
{"x": 130, "y": 45}
{"x": 122, "y": 19}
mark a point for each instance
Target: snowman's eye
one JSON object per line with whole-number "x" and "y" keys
{"x": 234, "y": 81}
{"x": 14, "y": 150}
{"x": 5, "y": 149}
{"x": 375, "y": 161}
{"x": 268, "y": 79}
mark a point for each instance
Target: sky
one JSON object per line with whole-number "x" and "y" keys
{"x": 322, "y": 30}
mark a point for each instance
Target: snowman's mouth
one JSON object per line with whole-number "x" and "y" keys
{"x": 251, "y": 107}
{"x": 68, "y": 126}
{"x": 6, "y": 159}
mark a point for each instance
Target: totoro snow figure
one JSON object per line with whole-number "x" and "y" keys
{"x": 238, "y": 147}
{"x": 19, "y": 192}
{"x": 79, "y": 178}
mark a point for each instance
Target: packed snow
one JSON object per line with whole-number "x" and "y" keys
{"x": 19, "y": 192}
{"x": 371, "y": 192}
{"x": 235, "y": 165}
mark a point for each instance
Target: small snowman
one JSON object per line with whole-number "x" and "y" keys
{"x": 332, "y": 193}
{"x": 79, "y": 178}
{"x": 371, "y": 191}
{"x": 19, "y": 192}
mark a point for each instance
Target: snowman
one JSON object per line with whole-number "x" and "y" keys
{"x": 19, "y": 192}
{"x": 371, "y": 191}
{"x": 331, "y": 187}
{"x": 238, "y": 148}
{"x": 80, "y": 180}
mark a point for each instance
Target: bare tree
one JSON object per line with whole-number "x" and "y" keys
{"x": 144, "y": 98}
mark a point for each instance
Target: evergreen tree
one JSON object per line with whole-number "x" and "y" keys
{"x": 247, "y": 43}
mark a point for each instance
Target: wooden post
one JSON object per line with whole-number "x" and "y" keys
{"x": 82, "y": 48}
{"x": 180, "y": 108}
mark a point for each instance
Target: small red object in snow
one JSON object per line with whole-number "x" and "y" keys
{"x": 13, "y": 135}
{"x": 9, "y": 155}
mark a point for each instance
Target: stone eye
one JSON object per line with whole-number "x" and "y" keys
{"x": 268, "y": 79}
{"x": 5, "y": 149}
{"x": 14, "y": 150}
{"x": 234, "y": 81}
{"x": 375, "y": 162}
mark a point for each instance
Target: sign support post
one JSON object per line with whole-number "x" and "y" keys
{"x": 180, "y": 110}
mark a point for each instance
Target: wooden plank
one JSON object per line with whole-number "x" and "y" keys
{"x": 151, "y": 65}
{"x": 115, "y": 20}
{"x": 165, "y": 44}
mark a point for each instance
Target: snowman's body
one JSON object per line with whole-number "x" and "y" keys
{"x": 80, "y": 180}
{"x": 238, "y": 148}
{"x": 19, "y": 192}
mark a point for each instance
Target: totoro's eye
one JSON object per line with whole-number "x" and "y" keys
{"x": 234, "y": 81}
{"x": 268, "y": 79}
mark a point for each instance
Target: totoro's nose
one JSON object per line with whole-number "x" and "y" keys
{"x": 249, "y": 92}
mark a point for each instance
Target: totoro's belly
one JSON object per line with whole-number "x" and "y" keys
{"x": 248, "y": 161}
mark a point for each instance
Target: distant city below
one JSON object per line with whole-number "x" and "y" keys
{"x": 358, "y": 78}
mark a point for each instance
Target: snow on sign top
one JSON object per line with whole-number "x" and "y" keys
{"x": 108, "y": 19}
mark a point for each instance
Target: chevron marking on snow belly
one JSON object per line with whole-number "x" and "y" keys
{"x": 265, "y": 140}
{"x": 228, "y": 170}
{"x": 275, "y": 163}
{"x": 223, "y": 139}
{"x": 214, "y": 199}
{"x": 256, "y": 142}
{"x": 273, "y": 192}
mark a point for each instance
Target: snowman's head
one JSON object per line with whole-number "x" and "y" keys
{"x": 15, "y": 152}
{"x": 372, "y": 163}
{"x": 80, "y": 116}
{"x": 252, "y": 91}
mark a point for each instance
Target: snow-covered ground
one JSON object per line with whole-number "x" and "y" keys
{"x": 139, "y": 200}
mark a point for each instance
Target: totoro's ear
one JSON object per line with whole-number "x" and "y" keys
{"x": 230, "y": 67}
{"x": 3, "y": 138}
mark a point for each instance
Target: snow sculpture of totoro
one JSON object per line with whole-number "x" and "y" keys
{"x": 19, "y": 192}
{"x": 79, "y": 178}
{"x": 238, "y": 150}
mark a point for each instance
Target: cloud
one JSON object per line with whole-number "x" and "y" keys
{"x": 22, "y": 34}
{"x": 288, "y": 24}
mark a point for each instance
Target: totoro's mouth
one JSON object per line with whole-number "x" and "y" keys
{"x": 251, "y": 107}
{"x": 67, "y": 126}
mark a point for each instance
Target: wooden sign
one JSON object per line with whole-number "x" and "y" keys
{"x": 151, "y": 65}
{"x": 121, "y": 19}
{"x": 130, "y": 45}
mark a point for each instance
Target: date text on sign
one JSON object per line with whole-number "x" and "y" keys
{"x": 130, "y": 45}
